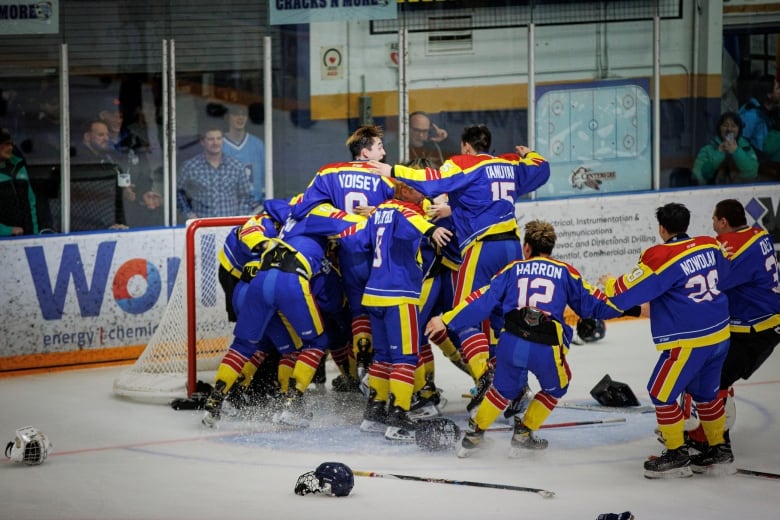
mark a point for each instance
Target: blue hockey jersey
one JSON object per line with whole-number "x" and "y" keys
{"x": 680, "y": 279}
{"x": 390, "y": 240}
{"x": 345, "y": 185}
{"x": 482, "y": 190}
{"x": 753, "y": 285}
{"x": 541, "y": 282}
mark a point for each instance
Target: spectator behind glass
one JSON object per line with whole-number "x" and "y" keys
{"x": 130, "y": 145}
{"x": 245, "y": 147}
{"x": 18, "y": 215}
{"x": 762, "y": 121}
{"x": 426, "y": 140}
{"x": 728, "y": 158}
{"x": 212, "y": 184}
{"x": 96, "y": 183}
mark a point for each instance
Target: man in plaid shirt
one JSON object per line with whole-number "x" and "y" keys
{"x": 212, "y": 184}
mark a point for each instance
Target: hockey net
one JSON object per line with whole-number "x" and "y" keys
{"x": 194, "y": 333}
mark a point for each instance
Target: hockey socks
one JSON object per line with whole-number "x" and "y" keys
{"x": 671, "y": 424}
{"x": 539, "y": 409}
{"x": 306, "y": 367}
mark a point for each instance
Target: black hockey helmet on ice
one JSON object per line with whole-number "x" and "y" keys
{"x": 613, "y": 393}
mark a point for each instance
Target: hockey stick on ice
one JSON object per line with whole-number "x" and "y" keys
{"x": 600, "y": 408}
{"x": 596, "y": 407}
{"x": 569, "y": 424}
{"x": 754, "y": 473}
{"x": 543, "y": 492}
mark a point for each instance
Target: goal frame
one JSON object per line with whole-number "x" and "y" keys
{"x": 190, "y": 301}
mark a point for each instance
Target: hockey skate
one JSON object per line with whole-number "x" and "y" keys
{"x": 343, "y": 383}
{"x": 423, "y": 408}
{"x": 400, "y": 427}
{"x": 471, "y": 441}
{"x": 294, "y": 412}
{"x": 671, "y": 464}
{"x": 213, "y": 405}
{"x": 523, "y": 439}
{"x": 427, "y": 407}
{"x": 374, "y": 416}
{"x": 717, "y": 460}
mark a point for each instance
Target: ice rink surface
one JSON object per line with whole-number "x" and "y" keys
{"x": 118, "y": 459}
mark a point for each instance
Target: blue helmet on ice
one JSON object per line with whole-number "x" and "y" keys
{"x": 330, "y": 478}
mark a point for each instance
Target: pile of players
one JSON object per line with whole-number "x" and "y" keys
{"x": 375, "y": 263}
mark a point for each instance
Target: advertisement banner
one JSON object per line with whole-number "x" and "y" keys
{"x": 599, "y": 235}
{"x": 311, "y": 11}
{"x": 29, "y": 17}
{"x": 73, "y": 299}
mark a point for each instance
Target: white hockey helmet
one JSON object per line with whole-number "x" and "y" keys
{"x": 30, "y": 447}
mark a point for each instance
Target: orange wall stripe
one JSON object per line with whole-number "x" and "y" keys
{"x": 492, "y": 97}
{"x": 65, "y": 360}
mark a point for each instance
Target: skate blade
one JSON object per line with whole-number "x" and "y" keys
{"x": 230, "y": 410}
{"x": 372, "y": 427}
{"x": 209, "y": 421}
{"x": 288, "y": 419}
{"x": 464, "y": 453}
{"x": 518, "y": 452}
{"x": 716, "y": 470}
{"x": 393, "y": 433}
{"x": 672, "y": 473}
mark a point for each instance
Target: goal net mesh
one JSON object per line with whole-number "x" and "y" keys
{"x": 160, "y": 374}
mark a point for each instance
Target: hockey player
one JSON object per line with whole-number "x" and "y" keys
{"x": 280, "y": 285}
{"x": 440, "y": 267}
{"x": 391, "y": 236}
{"x": 482, "y": 191}
{"x": 352, "y": 188}
{"x": 242, "y": 244}
{"x": 689, "y": 321}
{"x": 531, "y": 295}
{"x": 753, "y": 292}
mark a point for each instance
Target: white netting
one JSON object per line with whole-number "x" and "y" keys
{"x": 160, "y": 373}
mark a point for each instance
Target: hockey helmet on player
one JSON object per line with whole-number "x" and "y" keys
{"x": 436, "y": 434}
{"x": 591, "y": 329}
{"x": 30, "y": 447}
{"x": 330, "y": 478}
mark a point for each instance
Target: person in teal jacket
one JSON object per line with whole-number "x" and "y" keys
{"x": 728, "y": 158}
{"x": 18, "y": 215}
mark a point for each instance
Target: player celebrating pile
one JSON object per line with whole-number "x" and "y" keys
{"x": 482, "y": 191}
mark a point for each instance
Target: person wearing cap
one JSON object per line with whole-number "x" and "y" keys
{"x": 18, "y": 214}
{"x": 247, "y": 148}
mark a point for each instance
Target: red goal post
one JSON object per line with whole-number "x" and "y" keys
{"x": 194, "y": 333}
